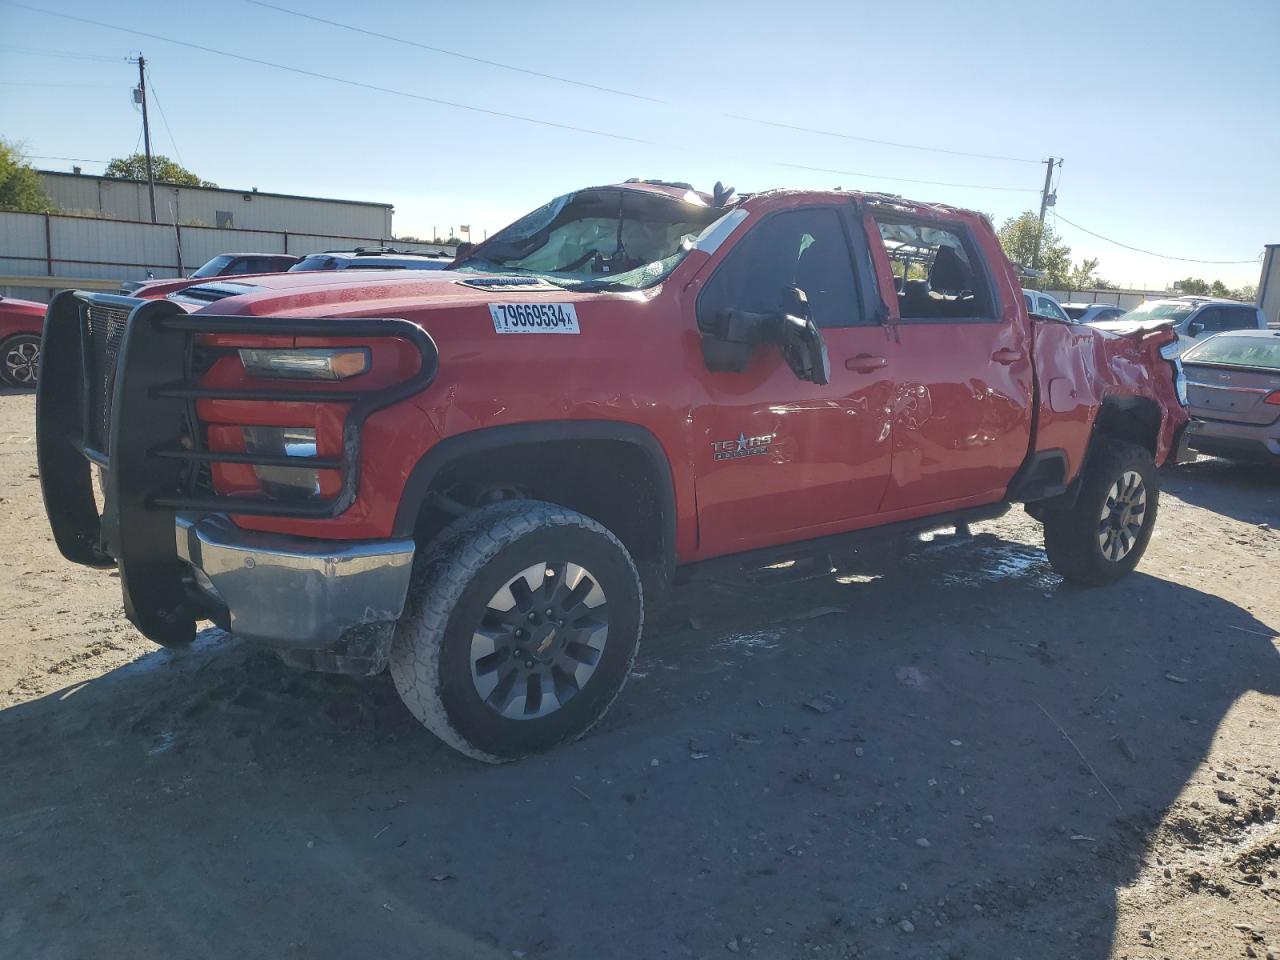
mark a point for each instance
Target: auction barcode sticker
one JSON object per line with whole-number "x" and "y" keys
{"x": 534, "y": 318}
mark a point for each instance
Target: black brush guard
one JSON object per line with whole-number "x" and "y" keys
{"x": 118, "y": 387}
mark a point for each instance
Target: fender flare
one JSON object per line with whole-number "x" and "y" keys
{"x": 460, "y": 445}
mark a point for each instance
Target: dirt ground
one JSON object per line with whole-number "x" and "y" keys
{"x": 962, "y": 758}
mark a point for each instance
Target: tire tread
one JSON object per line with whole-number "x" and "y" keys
{"x": 449, "y": 564}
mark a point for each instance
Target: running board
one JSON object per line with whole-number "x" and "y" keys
{"x": 813, "y": 559}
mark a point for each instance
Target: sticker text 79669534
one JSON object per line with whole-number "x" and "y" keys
{"x": 534, "y": 318}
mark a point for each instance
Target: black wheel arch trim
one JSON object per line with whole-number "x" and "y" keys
{"x": 1120, "y": 403}
{"x": 486, "y": 439}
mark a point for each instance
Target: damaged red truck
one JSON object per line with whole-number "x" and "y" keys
{"x": 477, "y": 476}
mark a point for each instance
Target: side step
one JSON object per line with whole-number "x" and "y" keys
{"x": 819, "y": 558}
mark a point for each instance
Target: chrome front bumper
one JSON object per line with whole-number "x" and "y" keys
{"x": 291, "y": 592}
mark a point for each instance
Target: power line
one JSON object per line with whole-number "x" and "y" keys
{"x": 849, "y": 136}
{"x": 152, "y": 87}
{"x": 627, "y": 93}
{"x": 1163, "y": 256}
{"x": 878, "y": 176}
{"x": 454, "y": 53}
{"x": 326, "y": 76}
{"x": 31, "y": 83}
{"x": 67, "y": 54}
{"x": 38, "y": 156}
{"x": 469, "y": 107}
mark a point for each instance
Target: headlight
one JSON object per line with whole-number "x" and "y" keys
{"x": 291, "y": 483}
{"x": 311, "y": 364}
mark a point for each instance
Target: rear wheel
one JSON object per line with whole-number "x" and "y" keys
{"x": 1104, "y": 535}
{"x": 20, "y": 360}
{"x": 523, "y": 621}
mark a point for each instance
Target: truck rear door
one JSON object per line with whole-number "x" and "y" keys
{"x": 961, "y": 363}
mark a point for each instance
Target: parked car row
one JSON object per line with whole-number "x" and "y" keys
{"x": 259, "y": 264}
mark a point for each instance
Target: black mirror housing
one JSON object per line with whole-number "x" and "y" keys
{"x": 728, "y": 345}
{"x": 805, "y": 350}
{"x": 734, "y": 335}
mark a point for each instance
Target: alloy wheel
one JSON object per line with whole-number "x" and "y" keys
{"x": 22, "y": 363}
{"x": 1123, "y": 514}
{"x": 539, "y": 640}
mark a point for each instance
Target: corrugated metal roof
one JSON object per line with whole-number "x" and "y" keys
{"x": 254, "y": 190}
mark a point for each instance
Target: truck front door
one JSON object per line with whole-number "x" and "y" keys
{"x": 961, "y": 365}
{"x": 778, "y": 459}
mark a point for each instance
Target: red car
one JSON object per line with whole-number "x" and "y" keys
{"x": 476, "y": 476}
{"x": 21, "y": 322}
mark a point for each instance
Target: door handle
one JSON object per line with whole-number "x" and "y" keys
{"x": 1007, "y": 356}
{"x": 865, "y": 363}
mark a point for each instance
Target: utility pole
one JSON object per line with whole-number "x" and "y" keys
{"x": 140, "y": 97}
{"x": 1046, "y": 201}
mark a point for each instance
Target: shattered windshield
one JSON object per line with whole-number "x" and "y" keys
{"x": 606, "y": 237}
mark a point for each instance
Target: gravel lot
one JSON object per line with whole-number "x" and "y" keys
{"x": 960, "y": 758}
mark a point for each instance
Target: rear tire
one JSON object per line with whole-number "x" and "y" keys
{"x": 523, "y": 621}
{"x": 20, "y": 361}
{"x": 1102, "y": 537}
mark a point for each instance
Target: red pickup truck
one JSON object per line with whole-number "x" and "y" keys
{"x": 477, "y": 476}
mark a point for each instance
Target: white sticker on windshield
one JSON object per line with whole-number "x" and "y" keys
{"x": 534, "y": 318}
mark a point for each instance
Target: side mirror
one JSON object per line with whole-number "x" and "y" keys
{"x": 733, "y": 336}
{"x": 803, "y": 346}
{"x": 1195, "y": 328}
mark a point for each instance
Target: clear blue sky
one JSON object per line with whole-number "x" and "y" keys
{"x": 1167, "y": 112}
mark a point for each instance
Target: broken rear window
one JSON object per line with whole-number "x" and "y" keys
{"x": 607, "y": 237}
{"x": 935, "y": 271}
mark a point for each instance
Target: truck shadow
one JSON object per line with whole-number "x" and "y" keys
{"x": 874, "y": 767}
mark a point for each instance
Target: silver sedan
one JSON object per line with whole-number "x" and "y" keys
{"x": 1233, "y": 391}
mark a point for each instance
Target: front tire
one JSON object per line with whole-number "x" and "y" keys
{"x": 20, "y": 361}
{"x": 523, "y": 621}
{"x": 1102, "y": 537}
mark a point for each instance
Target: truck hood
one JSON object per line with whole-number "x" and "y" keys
{"x": 372, "y": 293}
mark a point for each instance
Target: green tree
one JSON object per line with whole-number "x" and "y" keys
{"x": 1191, "y": 286}
{"x": 134, "y": 167}
{"x": 1018, "y": 238}
{"x": 1084, "y": 276}
{"x": 1195, "y": 287}
{"x": 20, "y": 186}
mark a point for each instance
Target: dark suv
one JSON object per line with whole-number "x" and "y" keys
{"x": 226, "y": 265}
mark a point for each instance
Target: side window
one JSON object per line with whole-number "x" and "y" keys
{"x": 1110, "y": 314}
{"x": 1240, "y": 318}
{"x": 937, "y": 272}
{"x": 1210, "y": 318}
{"x": 1050, "y": 309}
{"x": 804, "y": 248}
{"x": 1026, "y": 297}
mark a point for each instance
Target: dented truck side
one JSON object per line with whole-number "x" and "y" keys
{"x": 477, "y": 476}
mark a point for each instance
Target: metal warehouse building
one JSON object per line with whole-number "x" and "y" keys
{"x": 100, "y": 232}
{"x": 216, "y": 207}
